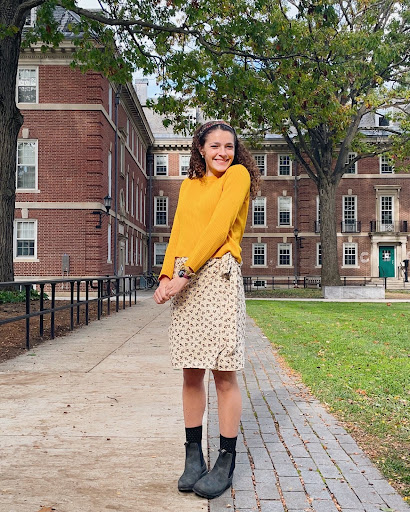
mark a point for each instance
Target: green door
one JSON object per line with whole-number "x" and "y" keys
{"x": 386, "y": 261}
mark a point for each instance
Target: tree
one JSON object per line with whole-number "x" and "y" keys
{"x": 308, "y": 70}
{"x": 312, "y": 71}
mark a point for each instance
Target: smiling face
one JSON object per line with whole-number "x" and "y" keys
{"x": 218, "y": 151}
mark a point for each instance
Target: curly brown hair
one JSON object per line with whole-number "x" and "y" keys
{"x": 243, "y": 156}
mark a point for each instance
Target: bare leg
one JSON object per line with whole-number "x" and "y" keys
{"x": 229, "y": 402}
{"x": 193, "y": 397}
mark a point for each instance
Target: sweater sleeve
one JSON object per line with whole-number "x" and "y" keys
{"x": 234, "y": 193}
{"x": 169, "y": 259}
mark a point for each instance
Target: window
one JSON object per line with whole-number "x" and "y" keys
{"x": 31, "y": 18}
{"x": 261, "y": 163}
{"x": 132, "y": 197}
{"x": 319, "y": 255}
{"x": 285, "y": 211}
{"x": 26, "y": 165}
{"x": 284, "y": 255}
{"x": 259, "y": 211}
{"x": 161, "y": 165}
{"x": 27, "y": 85}
{"x": 110, "y": 101}
{"x": 127, "y": 192}
{"x": 159, "y": 253}
{"x": 259, "y": 283}
{"x": 141, "y": 203}
{"x": 122, "y": 158}
{"x": 285, "y": 165}
{"x": 161, "y": 211}
{"x": 349, "y": 255}
{"x": 386, "y": 213}
{"x": 144, "y": 209}
{"x": 109, "y": 173}
{"x": 184, "y": 164}
{"x": 141, "y": 249}
{"x": 126, "y": 251}
{"x": 128, "y": 131}
{"x": 25, "y": 239}
{"x": 386, "y": 165}
{"x": 352, "y": 169}
{"x": 136, "y": 203}
{"x": 317, "y": 221}
{"x": 137, "y": 247}
{"x": 132, "y": 250}
{"x": 349, "y": 214}
{"x": 259, "y": 255}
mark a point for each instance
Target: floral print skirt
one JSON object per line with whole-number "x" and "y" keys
{"x": 208, "y": 317}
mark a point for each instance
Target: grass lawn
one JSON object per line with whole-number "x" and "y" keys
{"x": 355, "y": 358}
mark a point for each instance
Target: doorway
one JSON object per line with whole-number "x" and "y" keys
{"x": 386, "y": 261}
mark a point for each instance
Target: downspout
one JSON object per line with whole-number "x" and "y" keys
{"x": 150, "y": 167}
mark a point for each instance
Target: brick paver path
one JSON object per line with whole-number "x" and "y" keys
{"x": 292, "y": 455}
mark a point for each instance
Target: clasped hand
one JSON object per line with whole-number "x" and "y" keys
{"x": 168, "y": 288}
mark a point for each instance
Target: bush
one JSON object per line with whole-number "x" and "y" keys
{"x": 7, "y": 296}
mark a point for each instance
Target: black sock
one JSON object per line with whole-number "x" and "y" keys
{"x": 194, "y": 435}
{"x": 227, "y": 443}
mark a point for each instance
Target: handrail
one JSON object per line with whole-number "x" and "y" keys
{"x": 124, "y": 286}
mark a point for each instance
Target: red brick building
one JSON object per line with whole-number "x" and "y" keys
{"x": 373, "y": 214}
{"x": 79, "y": 145}
{"x": 76, "y": 139}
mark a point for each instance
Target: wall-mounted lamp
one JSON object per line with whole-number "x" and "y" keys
{"x": 107, "y": 204}
{"x": 298, "y": 239}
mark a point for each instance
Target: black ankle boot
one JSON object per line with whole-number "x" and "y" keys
{"x": 195, "y": 467}
{"x": 219, "y": 478}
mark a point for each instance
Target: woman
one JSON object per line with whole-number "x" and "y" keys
{"x": 201, "y": 271}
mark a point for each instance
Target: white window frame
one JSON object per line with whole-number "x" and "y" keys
{"x": 127, "y": 248}
{"x": 260, "y": 160}
{"x": 31, "y": 68}
{"x": 387, "y": 226}
{"x": 256, "y": 246}
{"x": 283, "y": 200}
{"x": 141, "y": 252}
{"x": 110, "y": 98}
{"x": 346, "y": 247}
{"x": 144, "y": 209}
{"x": 259, "y": 283}
{"x": 15, "y": 240}
{"x": 132, "y": 197}
{"x": 122, "y": 158}
{"x": 181, "y": 157}
{"x": 318, "y": 214}
{"x": 156, "y": 158}
{"x": 349, "y": 158}
{"x": 386, "y": 165}
{"x": 318, "y": 255}
{"x": 347, "y": 214}
{"x": 156, "y": 253}
{"x": 262, "y": 205}
{"x": 31, "y": 18}
{"x": 127, "y": 191}
{"x": 132, "y": 250}
{"x": 35, "y": 188}
{"x": 158, "y": 199}
{"x": 109, "y": 173}
{"x": 141, "y": 203}
{"x": 288, "y": 247}
{"x": 137, "y": 244}
{"x": 137, "y": 192}
{"x": 288, "y": 165}
{"x": 128, "y": 132}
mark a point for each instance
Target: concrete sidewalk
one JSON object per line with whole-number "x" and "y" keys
{"x": 93, "y": 422}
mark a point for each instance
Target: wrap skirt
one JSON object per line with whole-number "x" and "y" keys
{"x": 208, "y": 316}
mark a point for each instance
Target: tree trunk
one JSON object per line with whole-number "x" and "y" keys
{"x": 10, "y": 124}
{"x": 328, "y": 233}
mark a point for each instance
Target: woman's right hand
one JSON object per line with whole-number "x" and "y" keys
{"x": 161, "y": 296}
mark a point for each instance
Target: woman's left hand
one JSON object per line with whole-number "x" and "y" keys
{"x": 176, "y": 285}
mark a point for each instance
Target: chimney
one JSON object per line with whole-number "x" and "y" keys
{"x": 141, "y": 86}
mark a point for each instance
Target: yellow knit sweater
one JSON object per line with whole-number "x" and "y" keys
{"x": 210, "y": 219}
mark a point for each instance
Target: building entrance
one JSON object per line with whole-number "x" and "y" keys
{"x": 386, "y": 261}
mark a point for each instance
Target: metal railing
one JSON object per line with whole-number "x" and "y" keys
{"x": 351, "y": 226}
{"x": 400, "y": 226}
{"x": 107, "y": 289}
{"x": 254, "y": 283}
